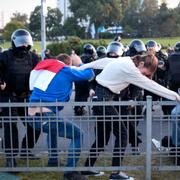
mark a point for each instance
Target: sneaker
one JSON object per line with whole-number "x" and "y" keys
{"x": 92, "y": 173}
{"x": 74, "y": 176}
{"x": 158, "y": 146}
{"x": 121, "y": 176}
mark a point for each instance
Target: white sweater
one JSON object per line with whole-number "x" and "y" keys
{"x": 118, "y": 73}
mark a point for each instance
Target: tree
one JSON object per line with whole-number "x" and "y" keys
{"x": 10, "y": 28}
{"x": 23, "y": 18}
{"x": 71, "y": 28}
{"x": 167, "y": 21}
{"x": 132, "y": 18}
{"x": 35, "y": 23}
{"x": 53, "y": 23}
{"x": 148, "y": 12}
{"x": 101, "y": 12}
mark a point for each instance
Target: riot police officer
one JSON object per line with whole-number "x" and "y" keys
{"x": 15, "y": 66}
{"x": 174, "y": 66}
{"x": 101, "y": 52}
{"x": 114, "y": 49}
{"x": 82, "y": 88}
{"x": 161, "y": 73}
{"x": 89, "y": 53}
{"x": 136, "y": 46}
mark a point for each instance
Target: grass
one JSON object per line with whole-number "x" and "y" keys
{"x": 163, "y": 41}
{"x": 128, "y": 161}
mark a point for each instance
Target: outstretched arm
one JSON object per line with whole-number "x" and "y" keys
{"x": 98, "y": 64}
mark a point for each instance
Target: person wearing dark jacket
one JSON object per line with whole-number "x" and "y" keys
{"x": 15, "y": 66}
{"x": 173, "y": 68}
{"x": 172, "y": 141}
{"x": 82, "y": 88}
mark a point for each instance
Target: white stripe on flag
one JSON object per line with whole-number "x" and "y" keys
{"x": 40, "y": 79}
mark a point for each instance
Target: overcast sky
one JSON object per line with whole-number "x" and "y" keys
{"x": 23, "y": 6}
{"x": 27, "y": 6}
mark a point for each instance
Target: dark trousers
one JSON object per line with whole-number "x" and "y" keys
{"x": 81, "y": 95}
{"x": 11, "y": 140}
{"x": 104, "y": 126}
{"x": 103, "y": 132}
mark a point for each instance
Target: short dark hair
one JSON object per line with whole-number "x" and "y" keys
{"x": 65, "y": 58}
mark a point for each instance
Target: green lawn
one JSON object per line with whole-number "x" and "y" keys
{"x": 128, "y": 161}
{"x": 163, "y": 41}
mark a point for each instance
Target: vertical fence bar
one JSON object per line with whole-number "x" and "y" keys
{"x": 148, "y": 136}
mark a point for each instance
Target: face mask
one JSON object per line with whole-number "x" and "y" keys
{"x": 21, "y": 51}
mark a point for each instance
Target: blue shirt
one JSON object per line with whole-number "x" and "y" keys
{"x": 60, "y": 88}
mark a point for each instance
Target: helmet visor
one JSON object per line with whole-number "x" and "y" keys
{"x": 114, "y": 48}
{"x": 154, "y": 45}
{"x": 140, "y": 47}
{"x": 23, "y": 41}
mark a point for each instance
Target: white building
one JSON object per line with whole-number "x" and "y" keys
{"x": 63, "y": 6}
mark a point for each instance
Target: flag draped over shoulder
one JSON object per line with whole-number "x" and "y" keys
{"x": 44, "y": 72}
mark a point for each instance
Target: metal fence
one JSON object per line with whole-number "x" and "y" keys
{"x": 151, "y": 123}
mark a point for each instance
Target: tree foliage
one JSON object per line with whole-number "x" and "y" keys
{"x": 101, "y": 12}
{"x": 53, "y": 23}
{"x": 138, "y": 19}
{"x": 147, "y": 19}
{"x": 132, "y": 17}
{"x": 72, "y": 28}
{"x": 23, "y": 18}
{"x": 35, "y": 23}
{"x": 11, "y": 27}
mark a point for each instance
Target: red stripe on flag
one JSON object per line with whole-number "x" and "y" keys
{"x": 52, "y": 65}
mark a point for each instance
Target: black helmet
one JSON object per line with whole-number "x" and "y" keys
{"x": 115, "y": 49}
{"x": 21, "y": 37}
{"x": 101, "y": 51}
{"x": 177, "y": 46}
{"x": 89, "y": 49}
{"x": 152, "y": 44}
{"x": 137, "y": 45}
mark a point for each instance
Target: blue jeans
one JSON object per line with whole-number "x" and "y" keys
{"x": 175, "y": 128}
{"x": 55, "y": 126}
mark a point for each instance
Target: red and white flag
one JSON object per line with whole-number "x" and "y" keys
{"x": 44, "y": 72}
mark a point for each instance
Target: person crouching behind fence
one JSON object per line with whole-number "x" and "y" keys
{"x": 115, "y": 77}
{"x": 51, "y": 81}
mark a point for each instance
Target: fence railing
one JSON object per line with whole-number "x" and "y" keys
{"x": 57, "y": 142}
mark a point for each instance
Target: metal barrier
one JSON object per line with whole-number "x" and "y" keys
{"x": 66, "y": 149}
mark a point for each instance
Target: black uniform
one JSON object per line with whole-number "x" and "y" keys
{"x": 104, "y": 127}
{"x": 82, "y": 88}
{"x": 15, "y": 70}
{"x": 133, "y": 93}
{"x": 174, "y": 71}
